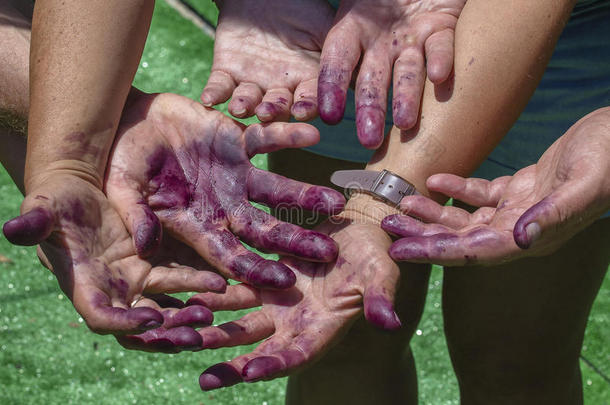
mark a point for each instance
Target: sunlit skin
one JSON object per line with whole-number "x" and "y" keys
{"x": 304, "y": 322}
{"x": 531, "y": 213}
{"x": 193, "y": 176}
{"x": 266, "y": 57}
{"x": 390, "y": 40}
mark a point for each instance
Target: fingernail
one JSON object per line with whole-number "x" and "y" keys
{"x": 206, "y": 100}
{"x": 533, "y": 232}
{"x": 152, "y": 324}
{"x": 239, "y": 111}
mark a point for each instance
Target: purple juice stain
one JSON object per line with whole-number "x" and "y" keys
{"x": 263, "y": 273}
{"x": 165, "y": 340}
{"x": 409, "y": 248}
{"x": 267, "y": 109}
{"x": 147, "y": 238}
{"x": 219, "y": 375}
{"x": 527, "y": 230}
{"x": 394, "y": 42}
{"x": 331, "y": 102}
{"x": 195, "y": 316}
{"x": 370, "y": 124}
{"x": 380, "y": 312}
{"x": 30, "y": 228}
{"x": 303, "y": 107}
{"x": 168, "y": 180}
{"x": 261, "y": 367}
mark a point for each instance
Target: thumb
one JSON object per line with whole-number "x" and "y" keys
{"x": 34, "y": 225}
{"x": 559, "y": 215}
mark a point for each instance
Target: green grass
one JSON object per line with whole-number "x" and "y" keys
{"x": 47, "y": 355}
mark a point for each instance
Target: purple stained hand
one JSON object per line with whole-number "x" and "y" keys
{"x": 84, "y": 243}
{"x": 193, "y": 178}
{"x": 266, "y": 57}
{"x": 531, "y": 213}
{"x": 378, "y": 37}
{"x": 302, "y": 323}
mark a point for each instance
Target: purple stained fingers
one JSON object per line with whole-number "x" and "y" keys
{"x": 30, "y": 228}
{"x": 277, "y": 191}
{"x": 199, "y": 186}
{"x": 454, "y": 248}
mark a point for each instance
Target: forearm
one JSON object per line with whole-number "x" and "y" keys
{"x": 82, "y": 62}
{"x": 14, "y": 54}
{"x": 495, "y": 75}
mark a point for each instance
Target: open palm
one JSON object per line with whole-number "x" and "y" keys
{"x": 531, "y": 213}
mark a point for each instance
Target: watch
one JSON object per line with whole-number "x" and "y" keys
{"x": 384, "y": 185}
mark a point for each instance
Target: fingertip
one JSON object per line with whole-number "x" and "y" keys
{"x": 315, "y": 246}
{"x": 404, "y": 116}
{"x": 379, "y": 311}
{"x": 29, "y": 229}
{"x": 370, "y": 125}
{"x": 391, "y": 224}
{"x": 526, "y": 235}
{"x": 331, "y": 102}
{"x": 206, "y": 99}
{"x": 219, "y": 375}
{"x": 304, "y": 110}
{"x": 266, "y": 111}
{"x": 195, "y": 316}
{"x": 147, "y": 238}
{"x": 146, "y": 318}
{"x": 324, "y": 200}
{"x": 261, "y": 368}
{"x": 274, "y": 275}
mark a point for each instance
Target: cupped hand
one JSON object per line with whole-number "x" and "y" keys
{"x": 85, "y": 244}
{"x": 266, "y": 57}
{"x": 531, "y": 213}
{"x": 403, "y": 36}
{"x": 304, "y": 322}
{"x": 193, "y": 175}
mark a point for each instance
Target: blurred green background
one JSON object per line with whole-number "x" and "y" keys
{"x": 47, "y": 354}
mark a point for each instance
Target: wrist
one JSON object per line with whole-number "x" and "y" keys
{"x": 364, "y": 208}
{"x": 60, "y": 168}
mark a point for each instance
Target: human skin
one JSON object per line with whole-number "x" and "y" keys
{"x": 98, "y": 288}
{"x": 266, "y": 57}
{"x": 390, "y": 40}
{"x": 193, "y": 178}
{"x": 532, "y": 213}
{"x": 461, "y": 116}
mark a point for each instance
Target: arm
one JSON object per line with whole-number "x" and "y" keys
{"x": 14, "y": 49}
{"x": 463, "y": 119}
{"x": 83, "y": 59}
{"x": 465, "y": 126}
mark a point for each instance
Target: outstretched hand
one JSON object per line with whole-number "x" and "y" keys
{"x": 266, "y": 57}
{"x": 304, "y": 322}
{"x": 407, "y": 37}
{"x": 193, "y": 178}
{"x": 531, "y": 213}
{"x": 87, "y": 247}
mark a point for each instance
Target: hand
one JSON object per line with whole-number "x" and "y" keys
{"x": 531, "y": 213}
{"x": 303, "y": 322}
{"x": 266, "y": 57}
{"x": 84, "y": 243}
{"x": 193, "y": 175}
{"x": 381, "y": 36}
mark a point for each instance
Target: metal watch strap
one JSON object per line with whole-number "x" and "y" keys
{"x": 386, "y": 185}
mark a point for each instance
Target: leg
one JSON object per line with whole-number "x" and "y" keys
{"x": 368, "y": 366}
{"x": 515, "y": 331}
